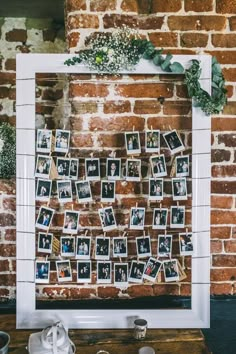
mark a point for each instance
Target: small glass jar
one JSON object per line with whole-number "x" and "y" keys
{"x": 140, "y": 329}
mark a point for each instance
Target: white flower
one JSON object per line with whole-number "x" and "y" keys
{"x": 1, "y": 145}
{"x": 110, "y": 52}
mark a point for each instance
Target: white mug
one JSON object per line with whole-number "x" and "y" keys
{"x": 146, "y": 350}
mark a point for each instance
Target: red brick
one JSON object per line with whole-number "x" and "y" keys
{"x": 10, "y": 64}
{"x": 127, "y": 187}
{"x": 200, "y": 23}
{"x": 229, "y": 74}
{"x": 224, "y": 40}
{"x": 52, "y": 95}
{"x": 49, "y": 35}
{"x": 230, "y": 90}
{"x": 82, "y": 21}
{"x": 117, "y": 107}
{"x": 166, "y": 6}
{"x": 111, "y": 140}
{"x": 4, "y": 265}
{"x": 223, "y": 274}
{"x": 75, "y": 5}
{"x": 16, "y": 35}
{"x": 88, "y": 90}
{"x": 225, "y": 6}
{"x": 9, "y": 204}
{"x": 150, "y": 22}
{"x": 221, "y": 202}
{"x": 7, "y": 250}
{"x": 177, "y": 108}
{"x": 232, "y": 23}
{"x": 8, "y": 280}
{"x": 223, "y": 261}
{"x": 12, "y": 93}
{"x": 147, "y": 107}
{"x": 140, "y": 290}
{"x": 185, "y": 290}
{"x": 222, "y": 216}
{"x": 222, "y": 232}
{"x": 191, "y": 40}
{"x": 44, "y": 110}
{"x": 230, "y": 247}
{"x": 4, "y": 293}
{"x": 10, "y": 235}
{"x": 198, "y": 5}
{"x": 220, "y": 289}
{"x": 84, "y": 107}
{"x": 224, "y": 171}
{"x": 102, "y": 5}
{"x": 163, "y": 289}
{"x": 81, "y": 140}
{"x": 130, "y": 6}
{"x": 124, "y": 123}
{"x": 228, "y": 140}
{"x": 144, "y": 6}
{"x": 174, "y": 122}
{"x": 7, "y": 219}
{"x": 115, "y": 20}
{"x": 220, "y": 155}
{"x": 73, "y": 39}
{"x": 164, "y": 39}
{"x": 234, "y": 232}
{"x": 145, "y": 90}
{"x": 4, "y": 92}
{"x": 7, "y": 78}
{"x": 107, "y": 292}
{"x": 223, "y": 187}
{"x": 224, "y": 56}
{"x": 216, "y": 246}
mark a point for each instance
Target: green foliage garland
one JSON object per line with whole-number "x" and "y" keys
{"x": 122, "y": 49}
{"x": 7, "y": 150}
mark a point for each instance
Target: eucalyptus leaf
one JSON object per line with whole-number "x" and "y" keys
{"x": 166, "y": 62}
{"x": 177, "y": 68}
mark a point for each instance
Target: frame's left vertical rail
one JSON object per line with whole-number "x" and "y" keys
{"x": 25, "y": 189}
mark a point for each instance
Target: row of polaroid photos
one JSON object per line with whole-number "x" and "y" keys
{"x": 67, "y": 168}
{"x": 108, "y": 221}
{"x": 108, "y": 190}
{"x": 45, "y": 138}
{"x": 138, "y": 272}
{"x": 80, "y": 247}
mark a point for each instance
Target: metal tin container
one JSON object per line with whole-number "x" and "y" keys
{"x": 4, "y": 342}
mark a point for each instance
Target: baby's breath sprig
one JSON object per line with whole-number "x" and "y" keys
{"x": 7, "y": 150}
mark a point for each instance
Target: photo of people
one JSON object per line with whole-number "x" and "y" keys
{"x": 113, "y": 169}
{"x": 44, "y": 218}
{"x": 132, "y": 141}
{"x": 120, "y": 247}
{"x": 107, "y": 218}
{"x": 173, "y": 142}
{"x": 164, "y": 245}
{"x": 182, "y": 166}
{"x": 67, "y": 246}
{"x": 45, "y": 242}
{"x": 62, "y": 140}
{"x": 71, "y": 222}
{"x": 63, "y": 167}
{"x": 108, "y": 191}
{"x": 83, "y": 191}
{"x": 179, "y": 188}
{"x": 64, "y": 191}
{"x": 158, "y": 165}
{"x": 171, "y": 272}
{"x": 160, "y": 218}
{"x": 44, "y": 140}
{"x": 186, "y": 244}
{"x": 83, "y": 246}
{"x": 121, "y": 274}
{"x": 133, "y": 170}
{"x": 152, "y": 141}
{"x": 137, "y": 217}
{"x": 102, "y": 248}
{"x": 152, "y": 269}
{"x": 136, "y": 272}
{"x": 74, "y": 168}
{"x": 43, "y": 190}
{"x": 177, "y": 216}
{"x": 103, "y": 272}
{"x": 143, "y": 246}
{"x": 92, "y": 169}
{"x": 84, "y": 271}
{"x": 64, "y": 272}
{"x": 43, "y": 166}
{"x": 42, "y": 271}
{"x": 156, "y": 188}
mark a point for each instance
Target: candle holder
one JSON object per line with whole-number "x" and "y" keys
{"x": 140, "y": 329}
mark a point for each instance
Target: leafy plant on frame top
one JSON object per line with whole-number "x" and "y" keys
{"x": 111, "y": 53}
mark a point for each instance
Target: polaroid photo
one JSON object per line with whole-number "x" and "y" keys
{"x": 102, "y": 248}
{"x": 152, "y": 141}
{"x": 182, "y": 166}
{"x": 43, "y": 166}
{"x": 107, "y": 218}
{"x": 164, "y": 245}
{"x": 44, "y": 218}
{"x": 108, "y": 191}
{"x": 74, "y": 169}
{"x": 43, "y": 190}
{"x": 84, "y": 271}
{"x": 71, "y": 222}
{"x": 64, "y": 272}
{"x": 152, "y": 269}
{"x": 158, "y": 165}
{"x": 92, "y": 169}
{"x": 179, "y": 188}
{"x": 64, "y": 191}
{"x": 173, "y": 142}
{"x": 121, "y": 274}
{"x": 136, "y": 272}
{"x": 83, "y": 247}
{"x": 160, "y": 218}
{"x": 143, "y": 246}
{"x": 44, "y": 140}
{"x": 67, "y": 246}
{"x": 186, "y": 244}
{"x": 62, "y": 140}
{"x": 45, "y": 242}
{"x": 156, "y": 189}
{"x": 103, "y": 272}
{"x": 133, "y": 170}
{"x": 42, "y": 272}
{"x": 171, "y": 271}
{"x": 120, "y": 247}
{"x": 113, "y": 169}
{"x": 137, "y": 218}
{"x": 83, "y": 191}
{"x": 63, "y": 167}
{"x": 132, "y": 142}
{"x": 177, "y": 217}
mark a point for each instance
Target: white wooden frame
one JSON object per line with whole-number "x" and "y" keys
{"x": 27, "y": 315}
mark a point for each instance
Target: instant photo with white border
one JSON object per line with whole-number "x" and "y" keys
{"x": 182, "y": 166}
{"x": 137, "y": 218}
{"x": 62, "y": 140}
{"x": 43, "y": 166}
{"x": 132, "y": 143}
{"x": 121, "y": 271}
{"x": 169, "y": 274}
{"x": 179, "y": 188}
{"x": 43, "y": 190}
{"x": 143, "y": 246}
{"x": 152, "y": 141}
{"x": 120, "y": 247}
{"x": 64, "y": 272}
{"x": 108, "y": 191}
{"x": 44, "y": 218}
{"x": 107, "y": 218}
{"x": 67, "y": 246}
{"x": 173, "y": 141}
{"x": 160, "y": 217}
{"x": 42, "y": 272}
{"x": 152, "y": 269}
{"x": 71, "y": 226}
{"x": 158, "y": 165}
{"x": 84, "y": 270}
{"x": 83, "y": 191}
{"x": 44, "y": 140}
{"x": 45, "y": 242}
{"x": 113, "y": 169}
{"x": 164, "y": 245}
{"x": 103, "y": 272}
{"x": 92, "y": 169}
{"x": 177, "y": 217}
{"x": 186, "y": 243}
{"x": 136, "y": 272}
{"x": 74, "y": 169}
{"x": 133, "y": 170}
{"x": 156, "y": 189}
{"x": 83, "y": 247}
{"x": 63, "y": 167}
{"x": 102, "y": 248}
{"x": 64, "y": 191}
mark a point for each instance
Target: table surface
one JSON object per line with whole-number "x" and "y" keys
{"x": 164, "y": 341}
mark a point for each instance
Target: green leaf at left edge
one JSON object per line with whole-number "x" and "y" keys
{"x": 176, "y": 68}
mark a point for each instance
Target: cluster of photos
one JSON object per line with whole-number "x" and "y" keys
{"x": 79, "y": 247}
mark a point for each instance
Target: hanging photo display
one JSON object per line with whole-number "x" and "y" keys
{"x": 43, "y": 166}
{"x": 67, "y": 246}
{"x": 43, "y": 190}
{"x": 137, "y": 218}
{"x": 45, "y": 242}
{"x": 136, "y": 271}
{"x": 177, "y": 216}
{"x": 160, "y": 218}
{"x": 83, "y": 191}
{"x": 132, "y": 141}
{"x": 74, "y": 168}
{"x": 179, "y": 188}
{"x": 102, "y": 247}
{"x": 173, "y": 142}
{"x": 71, "y": 222}
{"x": 121, "y": 274}
{"x": 64, "y": 191}
{"x": 186, "y": 244}
{"x": 92, "y": 169}
{"x": 107, "y": 218}
{"x": 171, "y": 270}
{"x": 182, "y": 166}
{"x": 113, "y": 169}
{"x": 120, "y": 247}
{"x": 104, "y": 272}
{"x": 133, "y": 170}
{"x": 63, "y": 167}
{"x": 156, "y": 189}
{"x": 143, "y": 246}
{"x": 152, "y": 141}
{"x": 44, "y": 218}
{"x": 108, "y": 191}
{"x": 42, "y": 272}
{"x": 83, "y": 246}
{"x": 64, "y": 273}
{"x": 158, "y": 165}
{"x": 152, "y": 269}
{"x": 62, "y": 140}
{"x": 44, "y": 141}
{"x": 84, "y": 271}
{"x": 164, "y": 245}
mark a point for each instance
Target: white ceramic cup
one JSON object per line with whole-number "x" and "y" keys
{"x": 146, "y": 350}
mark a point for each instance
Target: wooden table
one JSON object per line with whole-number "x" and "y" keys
{"x": 171, "y": 341}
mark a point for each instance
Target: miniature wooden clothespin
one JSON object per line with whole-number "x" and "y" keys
{"x": 144, "y": 234}
{"x": 45, "y": 126}
{"x": 91, "y": 155}
{"x": 86, "y": 232}
{"x": 133, "y": 128}
{"x": 104, "y": 235}
{"x": 160, "y": 206}
{"x": 165, "y": 233}
{"x": 151, "y": 128}
{"x": 178, "y": 204}
{"x": 64, "y": 127}
{"x": 136, "y": 205}
{"x": 120, "y": 260}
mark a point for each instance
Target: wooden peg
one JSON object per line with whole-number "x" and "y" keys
{"x": 45, "y": 126}
{"x": 120, "y": 260}
{"x": 186, "y": 231}
{"x": 64, "y": 127}
{"x": 136, "y": 205}
{"x": 151, "y": 128}
{"x": 91, "y": 155}
{"x": 124, "y": 233}
{"x": 86, "y": 232}
{"x": 160, "y": 206}
{"x": 133, "y": 128}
